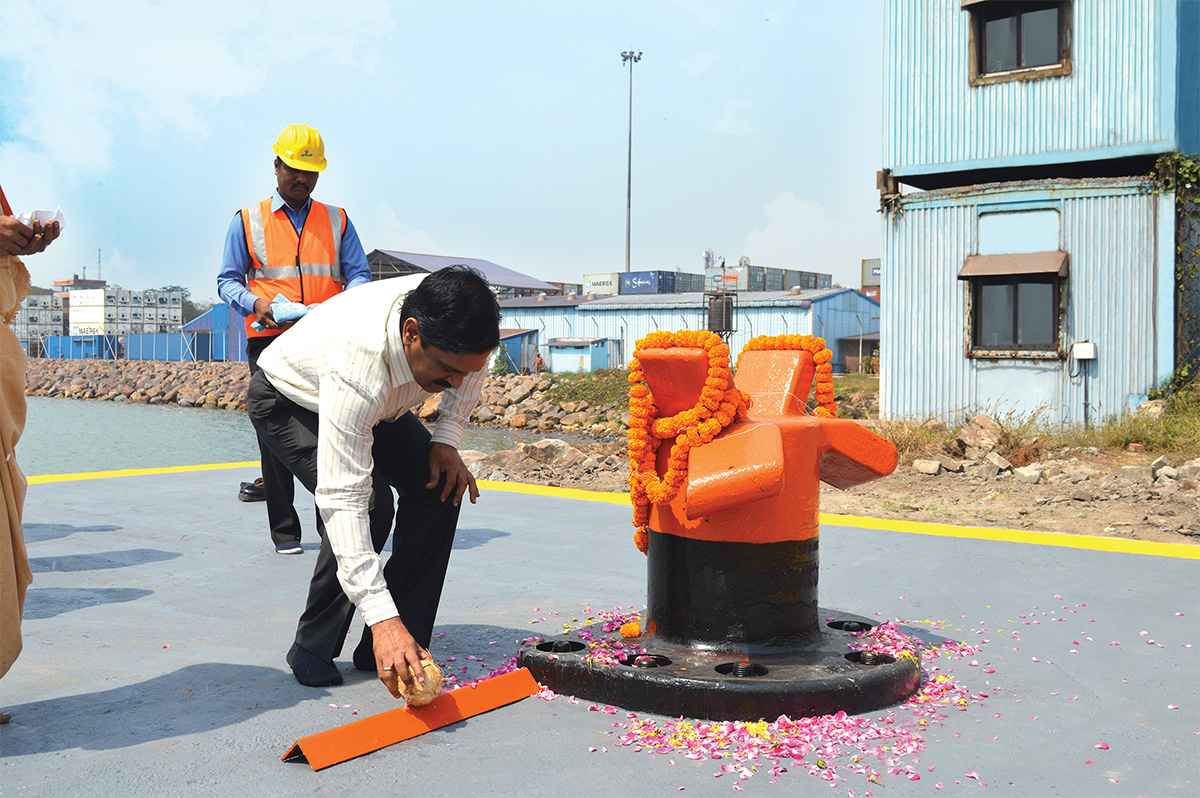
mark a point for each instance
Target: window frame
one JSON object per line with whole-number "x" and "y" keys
{"x": 976, "y": 283}
{"x": 978, "y": 77}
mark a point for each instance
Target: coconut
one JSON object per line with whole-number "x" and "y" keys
{"x": 421, "y": 693}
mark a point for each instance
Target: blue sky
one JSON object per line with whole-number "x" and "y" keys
{"x": 493, "y": 130}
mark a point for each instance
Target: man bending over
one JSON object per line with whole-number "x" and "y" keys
{"x": 333, "y": 401}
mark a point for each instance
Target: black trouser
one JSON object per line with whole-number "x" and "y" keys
{"x": 416, "y": 570}
{"x": 278, "y": 486}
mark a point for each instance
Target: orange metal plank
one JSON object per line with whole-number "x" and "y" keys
{"x": 364, "y": 736}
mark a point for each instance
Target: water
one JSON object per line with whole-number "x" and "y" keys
{"x": 66, "y": 436}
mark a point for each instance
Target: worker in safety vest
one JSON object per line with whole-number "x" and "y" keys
{"x": 305, "y": 250}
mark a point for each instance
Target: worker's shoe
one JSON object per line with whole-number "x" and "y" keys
{"x": 364, "y": 652}
{"x": 252, "y": 491}
{"x": 289, "y": 547}
{"x": 310, "y": 670}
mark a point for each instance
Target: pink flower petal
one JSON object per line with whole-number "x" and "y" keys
{"x": 970, "y": 774}
{"x": 1172, "y": 706}
{"x": 1102, "y": 746}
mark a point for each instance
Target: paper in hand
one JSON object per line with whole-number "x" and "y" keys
{"x": 45, "y": 217}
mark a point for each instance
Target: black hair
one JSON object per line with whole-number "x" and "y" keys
{"x": 455, "y": 310}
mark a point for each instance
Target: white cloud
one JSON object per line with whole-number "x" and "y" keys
{"x": 733, "y": 122}
{"x": 701, "y": 62}
{"x": 800, "y": 234}
{"x": 706, "y": 12}
{"x": 385, "y": 230}
{"x": 79, "y": 71}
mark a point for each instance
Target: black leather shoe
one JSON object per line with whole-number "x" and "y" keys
{"x": 364, "y": 652}
{"x": 252, "y": 491}
{"x": 310, "y": 670}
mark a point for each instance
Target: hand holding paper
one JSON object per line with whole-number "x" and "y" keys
{"x": 284, "y": 311}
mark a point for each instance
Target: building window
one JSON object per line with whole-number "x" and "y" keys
{"x": 1015, "y": 302}
{"x": 1018, "y": 40}
{"x": 1015, "y": 313}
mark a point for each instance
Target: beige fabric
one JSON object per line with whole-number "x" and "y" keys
{"x": 15, "y": 575}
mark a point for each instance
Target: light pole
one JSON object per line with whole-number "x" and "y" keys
{"x": 631, "y": 58}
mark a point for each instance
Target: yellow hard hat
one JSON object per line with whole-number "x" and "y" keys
{"x": 301, "y": 147}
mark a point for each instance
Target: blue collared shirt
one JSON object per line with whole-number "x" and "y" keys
{"x": 231, "y": 279}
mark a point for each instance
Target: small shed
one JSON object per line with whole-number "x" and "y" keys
{"x": 520, "y": 347}
{"x": 856, "y": 349}
{"x": 583, "y": 355}
{"x": 228, "y": 333}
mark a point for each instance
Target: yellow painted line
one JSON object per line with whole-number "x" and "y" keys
{"x": 137, "y": 472}
{"x": 562, "y": 493}
{"x": 1087, "y": 542}
{"x": 1090, "y": 542}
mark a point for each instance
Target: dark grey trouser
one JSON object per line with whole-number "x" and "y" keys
{"x": 278, "y": 486}
{"x": 416, "y": 570}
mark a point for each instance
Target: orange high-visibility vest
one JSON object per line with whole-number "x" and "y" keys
{"x": 305, "y": 268}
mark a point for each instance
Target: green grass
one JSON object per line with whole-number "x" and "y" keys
{"x": 599, "y": 388}
{"x": 1176, "y": 434}
{"x": 855, "y": 382}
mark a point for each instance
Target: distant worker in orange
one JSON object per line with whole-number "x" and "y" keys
{"x": 304, "y": 250}
{"x": 538, "y": 364}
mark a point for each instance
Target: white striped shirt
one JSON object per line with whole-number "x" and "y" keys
{"x": 345, "y": 361}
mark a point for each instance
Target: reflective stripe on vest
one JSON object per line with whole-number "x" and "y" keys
{"x": 305, "y": 268}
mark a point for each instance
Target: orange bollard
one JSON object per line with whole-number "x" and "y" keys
{"x": 733, "y": 559}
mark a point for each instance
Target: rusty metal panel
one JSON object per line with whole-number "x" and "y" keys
{"x": 1017, "y": 263}
{"x": 1119, "y": 99}
{"x": 1110, "y": 230}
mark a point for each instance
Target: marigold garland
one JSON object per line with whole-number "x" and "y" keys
{"x": 719, "y": 405}
{"x": 823, "y": 391}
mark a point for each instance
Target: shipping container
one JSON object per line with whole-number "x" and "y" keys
{"x": 92, "y": 297}
{"x": 688, "y": 283}
{"x": 773, "y": 279}
{"x": 604, "y": 284}
{"x": 651, "y": 282}
{"x": 870, "y": 272}
{"x": 737, "y": 278}
{"x": 174, "y": 315}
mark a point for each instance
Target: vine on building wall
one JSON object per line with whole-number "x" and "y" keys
{"x": 1180, "y": 173}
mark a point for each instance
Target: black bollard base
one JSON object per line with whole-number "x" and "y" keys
{"x": 819, "y": 679}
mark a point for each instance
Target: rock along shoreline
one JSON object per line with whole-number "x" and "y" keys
{"x": 511, "y": 400}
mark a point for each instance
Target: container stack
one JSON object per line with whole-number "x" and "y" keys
{"x": 39, "y": 317}
{"x": 747, "y": 277}
{"x": 114, "y": 311}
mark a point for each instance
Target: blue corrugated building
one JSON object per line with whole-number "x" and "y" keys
{"x": 840, "y": 316}
{"x": 1036, "y": 269}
